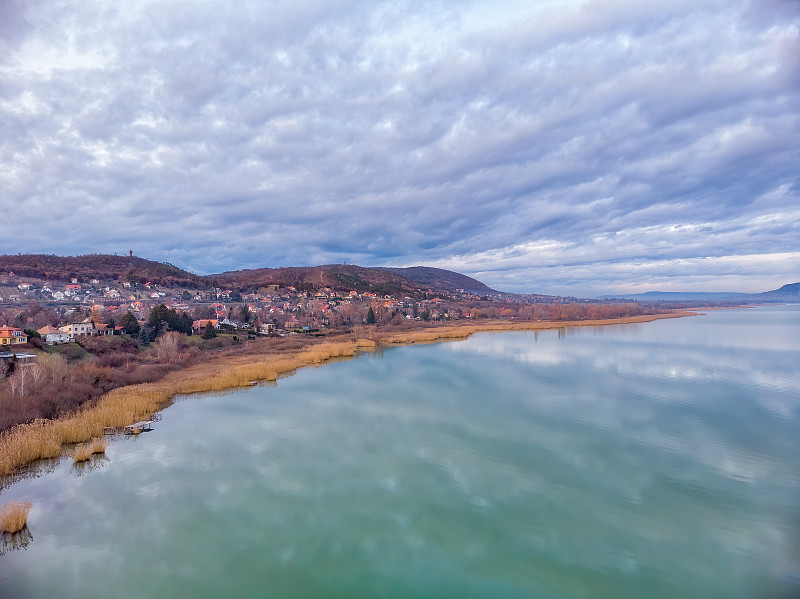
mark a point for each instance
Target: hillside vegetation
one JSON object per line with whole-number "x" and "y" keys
{"x": 99, "y": 266}
{"x": 344, "y": 277}
{"x": 441, "y": 279}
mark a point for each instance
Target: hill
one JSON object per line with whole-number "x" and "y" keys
{"x": 441, "y": 279}
{"x": 98, "y": 266}
{"x": 343, "y": 277}
{"x": 788, "y": 293}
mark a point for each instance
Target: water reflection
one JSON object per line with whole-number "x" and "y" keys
{"x": 15, "y": 541}
{"x": 95, "y": 462}
{"x": 29, "y": 471}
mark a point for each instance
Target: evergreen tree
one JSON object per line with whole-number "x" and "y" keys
{"x": 370, "y": 316}
{"x": 130, "y": 323}
{"x": 209, "y": 332}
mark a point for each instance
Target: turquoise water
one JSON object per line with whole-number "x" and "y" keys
{"x": 647, "y": 461}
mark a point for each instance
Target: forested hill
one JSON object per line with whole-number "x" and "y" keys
{"x": 345, "y": 277}
{"x": 439, "y": 278}
{"x": 98, "y": 266}
{"x": 336, "y": 276}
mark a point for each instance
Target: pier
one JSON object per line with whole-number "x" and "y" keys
{"x": 141, "y": 426}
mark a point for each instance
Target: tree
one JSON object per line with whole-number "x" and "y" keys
{"x": 147, "y": 334}
{"x": 158, "y": 315}
{"x": 370, "y": 316}
{"x": 162, "y": 318}
{"x": 244, "y": 313}
{"x": 130, "y": 324}
{"x": 168, "y": 347}
{"x": 209, "y": 332}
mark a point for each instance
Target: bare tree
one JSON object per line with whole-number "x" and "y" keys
{"x": 168, "y": 346}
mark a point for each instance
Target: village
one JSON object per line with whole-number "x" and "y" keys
{"x": 64, "y": 312}
{"x": 40, "y": 312}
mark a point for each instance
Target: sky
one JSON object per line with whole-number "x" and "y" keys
{"x": 577, "y": 147}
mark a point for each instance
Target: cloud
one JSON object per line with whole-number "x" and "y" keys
{"x": 546, "y": 147}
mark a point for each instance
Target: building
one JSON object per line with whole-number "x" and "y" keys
{"x": 199, "y": 325}
{"x": 104, "y": 330}
{"x": 79, "y": 329}
{"x": 12, "y": 336}
{"x": 53, "y": 336}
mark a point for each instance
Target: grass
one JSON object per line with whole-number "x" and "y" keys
{"x": 14, "y": 516}
{"x": 119, "y": 407}
{"x": 83, "y": 452}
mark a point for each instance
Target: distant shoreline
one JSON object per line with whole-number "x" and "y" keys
{"x": 120, "y": 407}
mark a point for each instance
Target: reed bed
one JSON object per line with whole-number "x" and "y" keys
{"x": 14, "y": 516}
{"x": 45, "y": 438}
{"x": 83, "y": 452}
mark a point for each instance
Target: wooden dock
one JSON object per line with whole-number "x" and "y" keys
{"x": 144, "y": 425}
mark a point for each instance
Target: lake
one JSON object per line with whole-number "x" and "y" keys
{"x": 643, "y": 461}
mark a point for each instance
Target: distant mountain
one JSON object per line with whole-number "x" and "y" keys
{"x": 98, "y": 266}
{"x": 675, "y": 296}
{"x": 446, "y": 280}
{"x": 787, "y": 293}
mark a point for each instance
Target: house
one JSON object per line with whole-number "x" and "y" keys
{"x": 53, "y": 336}
{"x": 24, "y": 286}
{"x": 200, "y": 325}
{"x": 104, "y": 330}
{"x": 74, "y": 288}
{"x": 94, "y": 282}
{"x": 79, "y": 329}
{"x": 12, "y": 336}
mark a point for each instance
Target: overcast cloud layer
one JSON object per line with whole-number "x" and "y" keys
{"x": 571, "y": 147}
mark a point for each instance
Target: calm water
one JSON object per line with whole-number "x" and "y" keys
{"x": 642, "y": 461}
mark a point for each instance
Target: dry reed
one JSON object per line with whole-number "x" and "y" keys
{"x": 44, "y": 438}
{"x": 14, "y": 516}
{"x": 87, "y": 450}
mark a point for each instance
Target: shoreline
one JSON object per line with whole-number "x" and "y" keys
{"x": 45, "y": 439}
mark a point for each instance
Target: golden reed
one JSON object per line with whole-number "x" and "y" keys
{"x": 14, "y": 516}
{"x": 45, "y": 438}
{"x": 83, "y": 452}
